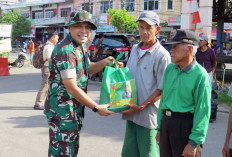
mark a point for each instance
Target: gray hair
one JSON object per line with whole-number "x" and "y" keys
{"x": 194, "y": 48}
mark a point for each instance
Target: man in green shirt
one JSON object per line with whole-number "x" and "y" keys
{"x": 184, "y": 111}
{"x": 69, "y": 67}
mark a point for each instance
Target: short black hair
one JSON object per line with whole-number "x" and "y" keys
{"x": 51, "y": 34}
{"x": 101, "y": 35}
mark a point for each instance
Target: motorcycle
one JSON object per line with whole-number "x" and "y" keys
{"x": 19, "y": 62}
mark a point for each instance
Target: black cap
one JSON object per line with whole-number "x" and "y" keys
{"x": 184, "y": 36}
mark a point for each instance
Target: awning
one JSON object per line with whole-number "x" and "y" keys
{"x": 214, "y": 33}
{"x": 41, "y": 26}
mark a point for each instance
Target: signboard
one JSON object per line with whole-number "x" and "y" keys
{"x": 105, "y": 28}
{"x": 174, "y": 21}
{"x": 199, "y": 29}
{"x": 5, "y": 30}
{"x": 5, "y": 46}
{"x": 102, "y": 19}
{"x": 227, "y": 25}
{"x": 214, "y": 34}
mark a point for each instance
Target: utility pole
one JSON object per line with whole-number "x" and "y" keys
{"x": 123, "y": 4}
{"x": 84, "y": 5}
{"x": 0, "y": 11}
{"x": 89, "y": 6}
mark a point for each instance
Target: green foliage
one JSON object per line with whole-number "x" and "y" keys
{"x": 21, "y": 25}
{"x": 223, "y": 98}
{"x": 122, "y": 20}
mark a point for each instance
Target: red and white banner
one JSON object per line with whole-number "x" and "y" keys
{"x": 199, "y": 29}
{"x": 196, "y": 17}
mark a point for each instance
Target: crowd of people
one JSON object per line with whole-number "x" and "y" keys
{"x": 174, "y": 98}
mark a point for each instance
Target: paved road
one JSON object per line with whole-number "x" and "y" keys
{"x": 24, "y": 131}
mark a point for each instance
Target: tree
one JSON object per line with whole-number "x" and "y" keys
{"x": 122, "y": 20}
{"x": 21, "y": 25}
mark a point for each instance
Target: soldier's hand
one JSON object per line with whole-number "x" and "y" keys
{"x": 108, "y": 60}
{"x": 103, "y": 110}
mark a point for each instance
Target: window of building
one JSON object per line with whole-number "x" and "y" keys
{"x": 128, "y": 4}
{"x": 50, "y": 13}
{"x": 85, "y": 6}
{"x": 20, "y": 1}
{"x": 105, "y": 5}
{"x": 38, "y": 14}
{"x": 65, "y": 12}
{"x": 151, "y": 4}
{"x": 170, "y": 4}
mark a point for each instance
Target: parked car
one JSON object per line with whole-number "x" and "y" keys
{"x": 113, "y": 45}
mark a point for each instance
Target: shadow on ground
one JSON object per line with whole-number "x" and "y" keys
{"x": 28, "y": 122}
{"x": 19, "y": 83}
{"x": 15, "y": 108}
{"x": 111, "y": 126}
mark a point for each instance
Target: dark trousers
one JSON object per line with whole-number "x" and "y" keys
{"x": 174, "y": 134}
{"x": 230, "y": 153}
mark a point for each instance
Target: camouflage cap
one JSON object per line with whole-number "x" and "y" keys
{"x": 81, "y": 16}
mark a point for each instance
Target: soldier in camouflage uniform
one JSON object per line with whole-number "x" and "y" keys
{"x": 69, "y": 67}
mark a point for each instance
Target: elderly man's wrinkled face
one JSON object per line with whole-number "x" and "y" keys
{"x": 80, "y": 32}
{"x": 147, "y": 33}
{"x": 179, "y": 53}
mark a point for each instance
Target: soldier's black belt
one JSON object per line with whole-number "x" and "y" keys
{"x": 170, "y": 113}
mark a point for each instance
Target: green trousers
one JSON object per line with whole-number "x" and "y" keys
{"x": 139, "y": 141}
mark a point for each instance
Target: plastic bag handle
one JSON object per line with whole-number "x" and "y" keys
{"x": 117, "y": 59}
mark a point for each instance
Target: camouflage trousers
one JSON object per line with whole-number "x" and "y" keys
{"x": 63, "y": 137}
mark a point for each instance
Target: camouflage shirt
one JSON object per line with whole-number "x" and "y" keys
{"x": 68, "y": 60}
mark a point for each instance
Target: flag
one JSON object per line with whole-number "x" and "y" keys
{"x": 108, "y": 19}
{"x": 196, "y": 17}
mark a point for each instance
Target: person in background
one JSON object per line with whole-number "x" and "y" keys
{"x": 88, "y": 43}
{"x": 31, "y": 50}
{"x": 147, "y": 63}
{"x": 215, "y": 47}
{"x": 205, "y": 56}
{"x": 47, "y": 52}
{"x": 162, "y": 42}
{"x": 169, "y": 47}
{"x": 184, "y": 111}
{"x": 98, "y": 55}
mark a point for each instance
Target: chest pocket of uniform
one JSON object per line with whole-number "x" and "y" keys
{"x": 82, "y": 64}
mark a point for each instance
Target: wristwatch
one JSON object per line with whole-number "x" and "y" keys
{"x": 95, "y": 109}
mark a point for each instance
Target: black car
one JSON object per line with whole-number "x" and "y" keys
{"x": 113, "y": 45}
